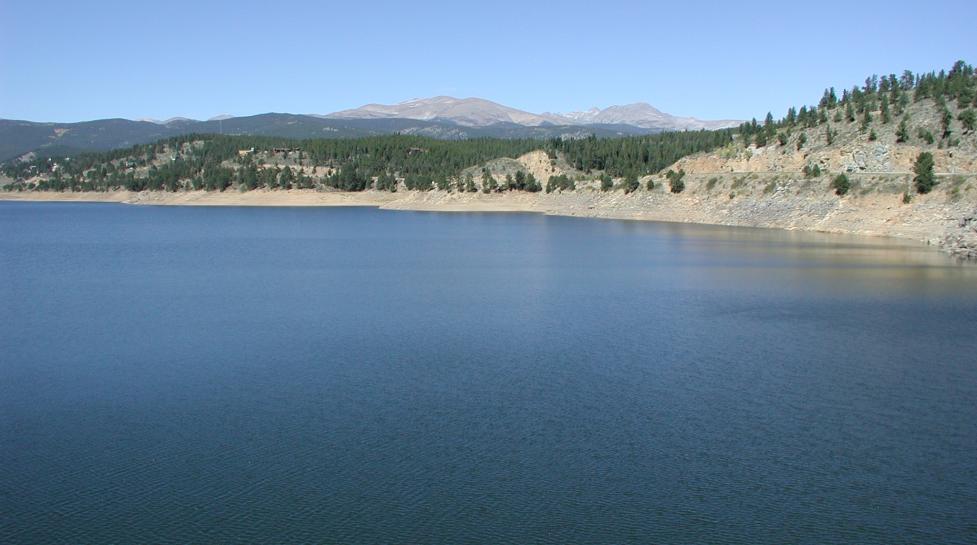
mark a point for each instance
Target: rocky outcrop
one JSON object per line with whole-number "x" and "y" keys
{"x": 962, "y": 242}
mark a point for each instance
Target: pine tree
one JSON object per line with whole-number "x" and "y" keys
{"x": 801, "y": 140}
{"x": 488, "y": 182}
{"x": 630, "y": 183}
{"x": 841, "y": 184}
{"x": 967, "y": 119}
{"x": 925, "y": 135}
{"x": 866, "y": 119}
{"x": 791, "y": 118}
{"x": 945, "y": 119}
{"x": 675, "y": 182}
{"x": 966, "y": 96}
{"x": 902, "y": 133}
{"x": 903, "y": 102}
{"x": 925, "y": 179}
{"x": 286, "y": 178}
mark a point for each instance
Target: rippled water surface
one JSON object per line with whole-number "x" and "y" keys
{"x": 232, "y": 375}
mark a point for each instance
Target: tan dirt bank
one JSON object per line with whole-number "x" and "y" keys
{"x": 932, "y": 219}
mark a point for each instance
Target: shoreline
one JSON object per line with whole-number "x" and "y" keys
{"x": 930, "y": 220}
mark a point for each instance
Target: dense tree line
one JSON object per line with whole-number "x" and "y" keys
{"x": 216, "y": 163}
{"x": 561, "y": 182}
{"x": 639, "y": 155}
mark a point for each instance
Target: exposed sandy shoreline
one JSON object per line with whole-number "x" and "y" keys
{"x": 205, "y": 198}
{"x": 928, "y": 219}
{"x": 408, "y": 200}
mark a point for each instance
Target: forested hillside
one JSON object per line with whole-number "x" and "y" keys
{"x": 31, "y": 139}
{"x": 882, "y": 101}
{"x": 218, "y": 163}
{"x": 908, "y": 134}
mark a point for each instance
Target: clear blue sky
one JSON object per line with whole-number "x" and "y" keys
{"x": 74, "y": 60}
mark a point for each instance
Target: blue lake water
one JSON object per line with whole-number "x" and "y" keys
{"x": 351, "y": 375}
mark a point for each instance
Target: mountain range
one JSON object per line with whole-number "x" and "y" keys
{"x": 478, "y": 112}
{"x": 438, "y": 117}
